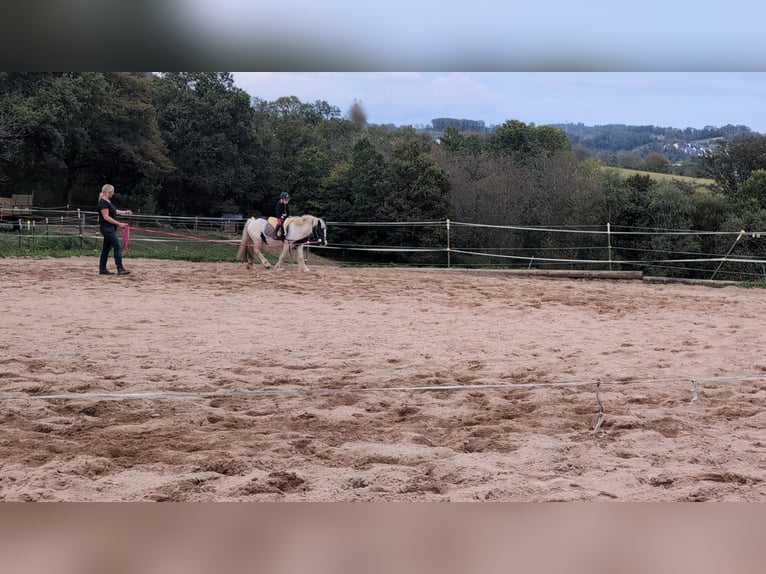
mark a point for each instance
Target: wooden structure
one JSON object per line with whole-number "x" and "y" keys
{"x": 18, "y": 206}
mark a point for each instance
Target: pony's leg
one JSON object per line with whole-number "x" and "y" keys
{"x": 264, "y": 261}
{"x": 285, "y": 249}
{"x": 250, "y": 256}
{"x": 301, "y": 259}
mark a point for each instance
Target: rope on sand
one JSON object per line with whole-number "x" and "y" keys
{"x": 223, "y": 393}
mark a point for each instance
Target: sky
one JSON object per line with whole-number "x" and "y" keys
{"x": 663, "y": 99}
{"x": 543, "y": 35}
{"x": 509, "y": 35}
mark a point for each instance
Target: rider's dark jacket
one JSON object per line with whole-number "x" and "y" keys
{"x": 282, "y": 210}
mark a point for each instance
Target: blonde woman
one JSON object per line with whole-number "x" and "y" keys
{"x": 108, "y": 226}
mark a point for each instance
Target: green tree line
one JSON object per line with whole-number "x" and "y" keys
{"x": 192, "y": 143}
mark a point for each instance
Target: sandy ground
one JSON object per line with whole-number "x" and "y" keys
{"x": 209, "y": 382}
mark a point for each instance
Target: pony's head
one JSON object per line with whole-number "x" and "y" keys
{"x": 320, "y": 231}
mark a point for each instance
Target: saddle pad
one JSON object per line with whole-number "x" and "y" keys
{"x": 273, "y": 221}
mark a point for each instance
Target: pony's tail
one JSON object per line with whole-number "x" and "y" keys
{"x": 242, "y": 251}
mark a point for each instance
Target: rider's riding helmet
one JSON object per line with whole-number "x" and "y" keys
{"x": 284, "y": 195}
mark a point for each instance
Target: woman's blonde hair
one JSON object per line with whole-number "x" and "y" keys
{"x": 107, "y": 187}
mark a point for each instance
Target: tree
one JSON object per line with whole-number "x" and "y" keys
{"x": 126, "y": 146}
{"x": 512, "y": 138}
{"x": 36, "y": 148}
{"x": 364, "y": 185}
{"x": 10, "y": 139}
{"x": 302, "y": 143}
{"x": 82, "y": 130}
{"x": 208, "y": 125}
{"x": 754, "y": 189}
{"x": 524, "y": 141}
{"x": 657, "y": 162}
{"x": 414, "y": 188}
{"x": 451, "y": 139}
{"x": 555, "y": 178}
{"x": 549, "y": 140}
{"x": 354, "y": 191}
{"x": 731, "y": 164}
{"x": 357, "y": 114}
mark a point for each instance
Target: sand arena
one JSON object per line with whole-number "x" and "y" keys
{"x": 207, "y": 382}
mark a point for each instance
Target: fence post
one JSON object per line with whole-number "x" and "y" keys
{"x": 609, "y": 243}
{"x": 448, "y": 246}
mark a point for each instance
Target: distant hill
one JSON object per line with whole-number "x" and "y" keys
{"x": 677, "y": 144}
{"x": 623, "y": 145}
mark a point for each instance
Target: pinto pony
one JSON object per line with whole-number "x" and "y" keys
{"x": 298, "y": 232}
